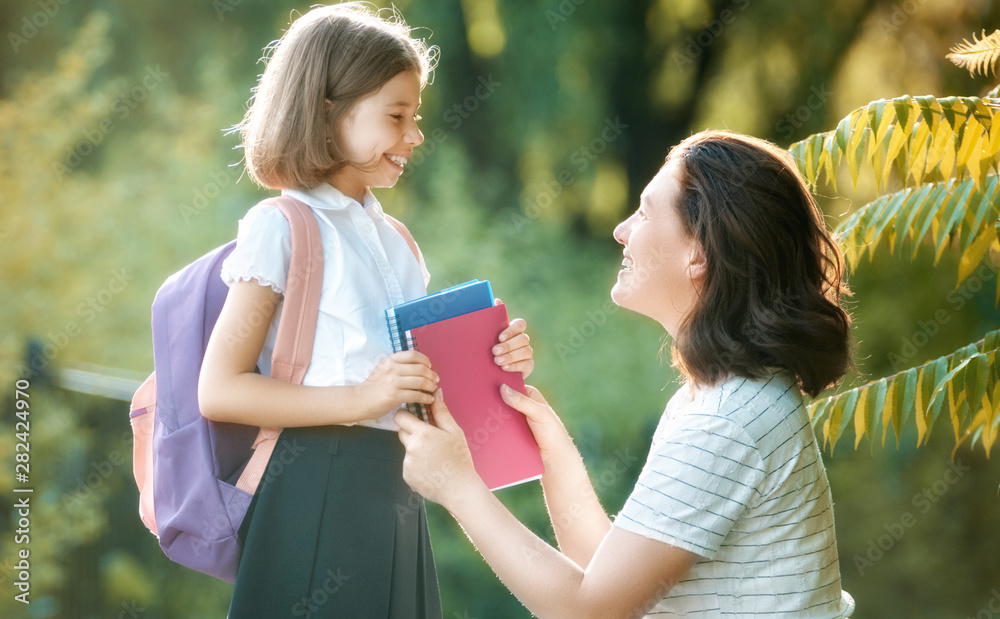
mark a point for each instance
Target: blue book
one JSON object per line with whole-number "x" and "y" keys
{"x": 458, "y": 300}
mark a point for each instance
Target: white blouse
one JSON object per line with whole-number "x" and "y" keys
{"x": 368, "y": 267}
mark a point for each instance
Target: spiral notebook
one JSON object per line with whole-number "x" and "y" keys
{"x": 460, "y": 348}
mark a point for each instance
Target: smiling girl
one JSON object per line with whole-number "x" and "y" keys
{"x": 334, "y": 115}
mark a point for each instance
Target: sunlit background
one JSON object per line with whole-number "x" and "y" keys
{"x": 543, "y": 123}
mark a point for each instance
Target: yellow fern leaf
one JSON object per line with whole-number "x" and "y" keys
{"x": 979, "y": 55}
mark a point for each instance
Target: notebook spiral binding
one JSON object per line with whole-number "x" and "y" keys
{"x": 402, "y": 341}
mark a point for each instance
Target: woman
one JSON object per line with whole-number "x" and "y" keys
{"x": 732, "y": 514}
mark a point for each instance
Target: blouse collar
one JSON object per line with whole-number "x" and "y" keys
{"x": 328, "y": 197}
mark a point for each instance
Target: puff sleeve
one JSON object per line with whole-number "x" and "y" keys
{"x": 263, "y": 249}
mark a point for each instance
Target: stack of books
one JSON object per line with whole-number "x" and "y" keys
{"x": 457, "y": 329}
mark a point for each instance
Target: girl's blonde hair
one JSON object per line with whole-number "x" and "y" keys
{"x": 334, "y": 53}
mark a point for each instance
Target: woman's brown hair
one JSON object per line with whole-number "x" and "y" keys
{"x": 772, "y": 292}
{"x": 327, "y": 60}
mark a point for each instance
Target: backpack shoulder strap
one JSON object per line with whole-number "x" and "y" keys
{"x": 297, "y": 327}
{"x": 401, "y": 229}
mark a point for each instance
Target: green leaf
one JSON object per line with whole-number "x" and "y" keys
{"x": 842, "y": 411}
{"x": 985, "y": 204}
{"x": 953, "y": 213}
{"x": 931, "y": 208}
{"x": 925, "y": 389}
{"x": 940, "y": 396}
{"x": 884, "y": 122}
{"x": 918, "y": 152}
{"x": 888, "y": 411}
{"x": 914, "y": 201}
{"x": 818, "y": 410}
{"x": 885, "y": 216}
{"x": 931, "y": 111}
{"x": 905, "y": 402}
{"x": 843, "y": 131}
{"x": 977, "y": 379}
{"x": 903, "y": 106}
{"x": 876, "y": 412}
{"x": 973, "y": 256}
{"x": 944, "y": 138}
{"x": 865, "y": 397}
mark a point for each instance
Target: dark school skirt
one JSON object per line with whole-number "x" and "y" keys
{"x": 334, "y": 531}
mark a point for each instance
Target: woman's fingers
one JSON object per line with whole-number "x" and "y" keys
{"x": 407, "y": 425}
{"x": 536, "y": 395}
{"x": 442, "y": 416}
{"x": 531, "y": 407}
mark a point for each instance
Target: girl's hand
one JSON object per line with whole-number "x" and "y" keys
{"x": 438, "y": 463}
{"x": 397, "y": 379}
{"x": 513, "y": 352}
{"x": 549, "y": 431}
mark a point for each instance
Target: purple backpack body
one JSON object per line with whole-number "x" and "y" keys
{"x": 197, "y": 477}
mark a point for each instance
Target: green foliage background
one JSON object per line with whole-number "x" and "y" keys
{"x": 543, "y": 123}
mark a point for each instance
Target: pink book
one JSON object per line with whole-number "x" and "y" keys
{"x": 503, "y": 448}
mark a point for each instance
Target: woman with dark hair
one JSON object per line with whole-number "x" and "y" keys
{"x": 732, "y": 514}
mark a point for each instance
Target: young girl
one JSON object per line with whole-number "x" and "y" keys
{"x": 337, "y": 533}
{"x": 732, "y": 514}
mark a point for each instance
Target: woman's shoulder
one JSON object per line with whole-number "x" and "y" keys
{"x": 734, "y": 395}
{"x": 756, "y": 404}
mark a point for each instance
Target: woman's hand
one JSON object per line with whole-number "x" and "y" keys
{"x": 438, "y": 463}
{"x": 513, "y": 351}
{"x": 549, "y": 431}
{"x": 397, "y": 379}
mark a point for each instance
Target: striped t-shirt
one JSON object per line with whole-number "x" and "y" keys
{"x": 734, "y": 475}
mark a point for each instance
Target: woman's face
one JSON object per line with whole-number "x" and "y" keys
{"x": 663, "y": 265}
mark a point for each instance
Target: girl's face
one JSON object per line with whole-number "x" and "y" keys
{"x": 663, "y": 264}
{"x": 379, "y": 134}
